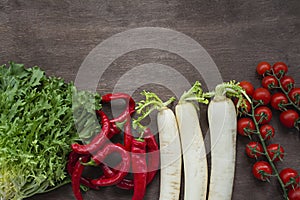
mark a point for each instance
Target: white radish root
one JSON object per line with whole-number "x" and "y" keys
{"x": 169, "y": 141}
{"x": 170, "y": 154}
{"x": 194, "y": 153}
{"x": 222, "y": 120}
{"x": 222, "y": 125}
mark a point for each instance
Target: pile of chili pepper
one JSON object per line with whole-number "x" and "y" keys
{"x": 140, "y": 154}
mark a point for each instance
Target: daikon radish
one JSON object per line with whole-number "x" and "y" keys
{"x": 192, "y": 143}
{"x": 222, "y": 120}
{"x": 170, "y": 146}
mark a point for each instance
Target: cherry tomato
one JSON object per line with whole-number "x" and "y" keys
{"x": 245, "y": 126}
{"x": 263, "y": 114}
{"x": 254, "y": 149}
{"x": 263, "y": 67}
{"x": 267, "y": 131}
{"x": 263, "y": 95}
{"x": 294, "y": 194}
{"x": 280, "y": 68}
{"x": 289, "y": 177}
{"x": 294, "y": 95}
{"x": 278, "y": 99}
{"x": 269, "y": 82}
{"x": 262, "y": 170}
{"x": 288, "y": 118}
{"x": 275, "y": 151}
{"x": 287, "y": 83}
{"x": 248, "y": 87}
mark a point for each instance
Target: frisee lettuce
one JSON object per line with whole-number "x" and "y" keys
{"x": 40, "y": 117}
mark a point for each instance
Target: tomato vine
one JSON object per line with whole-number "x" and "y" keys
{"x": 278, "y": 90}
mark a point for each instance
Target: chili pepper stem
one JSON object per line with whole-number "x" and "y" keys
{"x": 140, "y": 139}
{"x": 90, "y": 163}
{"x": 276, "y": 174}
{"x": 120, "y": 125}
{"x": 84, "y": 188}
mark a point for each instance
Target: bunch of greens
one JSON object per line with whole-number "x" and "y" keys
{"x": 37, "y": 126}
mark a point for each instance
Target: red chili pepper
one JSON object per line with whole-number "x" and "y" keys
{"x": 153, "y": 161}
{"x": 124, "y": 116}
{"x": 113, "y": 130}
{"x": 153, "y": 155}
{"x": 126, "y": 184}
{"x": 98, "y": 141}
{"x": 127, "y": 135}
{"x": 76, "y": 178}
{"x": 139, "y": 167}
{"x": 129, "y": 110}
{"x": 72, "y": 161}
{"x": 87, "y": 182}
{"x": 122, "y": 169}
{"x": 107, "y": 171}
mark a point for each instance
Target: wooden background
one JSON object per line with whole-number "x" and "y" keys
{"x": 57, "y": 35}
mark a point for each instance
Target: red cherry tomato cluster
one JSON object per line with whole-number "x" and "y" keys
{"x": 254, "y": 122}
{"x": 284, "y": 95}
{"x": 133, "y": 153}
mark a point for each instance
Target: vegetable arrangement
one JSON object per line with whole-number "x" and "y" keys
{"x": 180, "y": 135}
{"x": 37, "y": 128}
{"x": 140, "y": 153}
{"x": 41, "y": 118}
{"x": 255, "y": 123}
{"x": 190, "y": 142}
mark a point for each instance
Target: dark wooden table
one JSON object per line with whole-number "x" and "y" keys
{"x": 58, "y": 35}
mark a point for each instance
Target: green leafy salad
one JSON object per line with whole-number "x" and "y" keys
{"x": 37, "y": 126}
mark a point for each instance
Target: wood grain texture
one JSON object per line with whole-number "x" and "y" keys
{"x": 58, "y": 34}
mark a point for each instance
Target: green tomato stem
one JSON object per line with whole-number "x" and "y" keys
{"x": 262, "y": 141}
{"x": 286, "y": 93}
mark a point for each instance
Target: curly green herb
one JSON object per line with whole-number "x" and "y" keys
{"x": 37, "y": 127}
